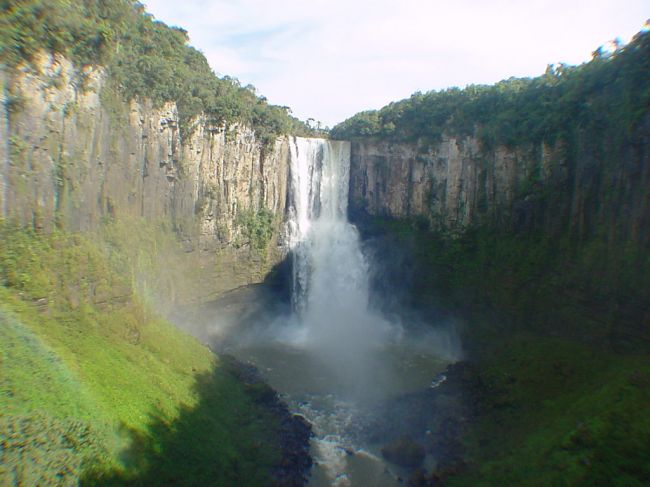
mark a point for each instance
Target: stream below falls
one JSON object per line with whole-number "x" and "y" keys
{"x": 345, "y": 407}
{"x": 344, "y": 449}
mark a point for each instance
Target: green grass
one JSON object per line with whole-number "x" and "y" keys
{"x": 559, "y": 413}
{"x": 34, "y": 377}
{"x": 141, "y": 401}
{"x": 556, "y": 333}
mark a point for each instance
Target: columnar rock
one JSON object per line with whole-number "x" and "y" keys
{"x": 4, "y": 146}
{"x": 451, "y": 182}
{"x": 455, "y": 182}
{"x": 74, "y": 153}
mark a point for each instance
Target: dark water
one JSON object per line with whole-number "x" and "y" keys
{"x": 341, "y": 449}
{"x": 340, "y": 404}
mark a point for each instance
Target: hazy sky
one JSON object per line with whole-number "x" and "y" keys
{"x": 329, "y": 59}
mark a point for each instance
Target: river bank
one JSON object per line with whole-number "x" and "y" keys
{"x": 292, "y": 440}
{"x": 97, "y": 388}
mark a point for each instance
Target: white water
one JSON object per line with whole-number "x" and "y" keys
{"x": 336, "y": 324}
{"x": 331, "y": 275}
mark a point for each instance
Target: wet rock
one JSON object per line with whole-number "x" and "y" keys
{"x": 295, "y": 431}
{"x": 419, "y": 478}
{"x": 404, "y": 452}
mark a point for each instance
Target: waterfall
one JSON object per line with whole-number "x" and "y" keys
{"x": 319, "y": 196}
{"x": 334, "y": 357}
{"x": 330, "y": 271}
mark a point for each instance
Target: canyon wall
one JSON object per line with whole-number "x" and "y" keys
{"x": 74, "y": 155}
{"x": 596, "y": 186}
{"x": 554, "y": 238}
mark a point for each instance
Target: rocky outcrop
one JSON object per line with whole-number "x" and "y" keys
{"x": 74, "y": 154}
{"x": 294, "y": 434}
{"x": 441, "y": 182}
{"x": 454, "y": 183}
{"x": 404, "y": 452}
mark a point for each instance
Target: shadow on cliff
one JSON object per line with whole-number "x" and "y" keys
{"x": 400, "y": 286}
{"x": 240, "y": 312}
{"x": 232, "y": 436}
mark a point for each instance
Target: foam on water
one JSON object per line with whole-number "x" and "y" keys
{"x": 330, "y": 272}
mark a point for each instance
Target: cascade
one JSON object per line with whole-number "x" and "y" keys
{"x": 330, "y": 271}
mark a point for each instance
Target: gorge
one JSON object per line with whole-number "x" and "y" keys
{"x": 452, "y": 290}
{"x": 332, "y": 355}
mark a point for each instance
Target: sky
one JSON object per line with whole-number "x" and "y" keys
{"x": 329, "y": 59}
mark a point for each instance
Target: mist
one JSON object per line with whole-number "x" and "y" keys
{"x": 344, "y": 319}
{"x": 344, "y": 343}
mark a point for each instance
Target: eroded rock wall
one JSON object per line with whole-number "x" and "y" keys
{"x": 594, "y": 186}
{"x": 74, "y": 154}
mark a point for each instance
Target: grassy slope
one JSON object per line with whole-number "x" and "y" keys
{"x": 95, "y": 386}
{"x": 563, "y": 374}
{"x": 559, "y": 413}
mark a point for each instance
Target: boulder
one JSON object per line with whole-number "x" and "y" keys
{"x": 404, "y": 452}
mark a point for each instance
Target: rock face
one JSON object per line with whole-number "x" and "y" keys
{"x": 294, "y": 433}
{"x": 73, "y": 154}
{"x": 4, "y": 147}
{"x": 455, "y": 183}
{"x": 404, "y": 452}
{"x": 585, "y": 196}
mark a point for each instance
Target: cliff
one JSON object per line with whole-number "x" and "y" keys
{"x": 551, "y": 236}
{"x": 596, "y": 186}
{"x": 564, "y": 154}
{"x": 521, "y": 212}
{"x": 111, "y": 213}
{"x": 75, "y": 155}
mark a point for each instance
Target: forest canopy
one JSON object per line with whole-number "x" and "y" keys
{"x": 144, "y": 57}
{"x": 611, "y": 90}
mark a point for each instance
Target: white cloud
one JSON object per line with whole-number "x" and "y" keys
{"x": 329, "y": 59}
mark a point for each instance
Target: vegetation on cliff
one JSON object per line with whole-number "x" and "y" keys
{"x": 557, "y": 340}
{"x": 257, "y": 228}
{"x": 547, "y": 411}
{"x": 552, "y": 287}
{"x": 568, "y": 253}
{"x": 535, "y": 283}
{"x": 144, "y": 58}
{"x": 96, "y": 387}
{"x": 609, "y": 93}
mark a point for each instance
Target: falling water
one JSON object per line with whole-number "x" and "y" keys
{"x": 331, "y": 278}
{"x": 336, "y": 325}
